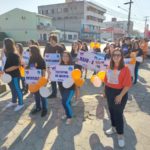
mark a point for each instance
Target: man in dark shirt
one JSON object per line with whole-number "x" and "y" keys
{"x": 53, "y": 47}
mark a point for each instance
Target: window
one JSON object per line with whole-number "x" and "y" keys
{"x": 6, "y": 18}
{"x": 75, "y": 37}
{"x": 52, "y": 11}
{"x": 46, "y": 12}
{"x": 69, "y": 37}
{"x": 59, "y": 10}
{"x": 23, "y": 17}
{"x": 65, "y": 10}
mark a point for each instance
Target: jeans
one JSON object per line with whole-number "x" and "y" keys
{"x": 67, "y": 96}
{"x": 16, "y": 90}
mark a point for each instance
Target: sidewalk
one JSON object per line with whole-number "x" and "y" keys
{"x": 20, "y": 131}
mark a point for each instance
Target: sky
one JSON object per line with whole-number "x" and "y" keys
{"x": 140, "y": 8}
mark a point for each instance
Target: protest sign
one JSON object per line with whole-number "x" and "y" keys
{"x": 32, "y": 76}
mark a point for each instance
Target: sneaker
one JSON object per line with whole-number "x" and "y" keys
{"x": 44, "y": 113}
{"x": 52, "y": 96}
{"x": 19, "y": 107}
{"x": 68, "y": 121}
{"x": 63, "y": 117}
{"x": 121, "y": 142}
{"x": 10, "y": 104}
{"x": 35, "y": 111}
{"x": 110, "y": 131}
{"x": 75, "y": 103}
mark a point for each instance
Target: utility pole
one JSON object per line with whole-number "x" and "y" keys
{"x": 146, "y": 19}
{"x": 129, "y": 16}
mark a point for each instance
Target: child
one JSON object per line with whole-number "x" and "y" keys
{"x": 66, "y": 94}
{"x": 11, "y": 67}
{"x": 74, "y": 54}
{"x": 38, "y": 62}
{"x": 20, "y": 52}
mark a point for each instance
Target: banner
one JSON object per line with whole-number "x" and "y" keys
{"x": 60, "y": 73}
{"x": 26, "y": 57}
{"x": 32, "y": 76}
{"x": 52, "y": 59}
{"x": 91, "y": 61}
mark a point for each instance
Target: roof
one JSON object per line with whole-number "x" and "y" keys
{"x": 15, "y": 9}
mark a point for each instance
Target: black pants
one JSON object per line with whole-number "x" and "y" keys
{"x": 54, "y": 88}
{"x": 116, "y": 110}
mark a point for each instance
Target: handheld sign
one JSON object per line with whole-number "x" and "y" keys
{"x": 60, "y": 73}
{"x": 32, "y": 76}
{"x": 52, "y": 59}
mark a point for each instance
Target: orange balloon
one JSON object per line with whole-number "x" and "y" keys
{"x": 133, "y": 61}
{"x": 22, "y": 71}
{"x": 92, "y": 78}
{"x": 33, "y": 88}
{"x": 97, "y": 45}
{"x": 76, "y": 74}
{"x": 42, "y": 81}
{"x": 101, "y": 75}
{"x": 80, "y": 82}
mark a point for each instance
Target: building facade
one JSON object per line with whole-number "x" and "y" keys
{"x": 115, "y": 29}
{"x": 23, "y": 25}
{"x": 78, "y": 16}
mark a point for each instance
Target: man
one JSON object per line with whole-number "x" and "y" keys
{"x": 53, "y": 47}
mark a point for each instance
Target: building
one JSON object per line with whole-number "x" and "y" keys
{"x": 23, "y": 25}
{"x": 78, "y": 16}
{"x": 115, "y": 29}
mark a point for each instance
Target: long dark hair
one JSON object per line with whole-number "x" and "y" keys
{"x": 121, "y": 63}
{"x": 10, "y": 46}
{"x": 70, "y": 58}
{"x": 35, "y": 55}
{"x": 20, "y": 51}
{"x": 72, "y": 50}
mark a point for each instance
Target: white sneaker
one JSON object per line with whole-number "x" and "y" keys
{"x": 63, "y": 117}
{"x": 10, "y": 104}
{"x": 75, "y": 103}
{"x": 19, "y": 107}
{"x": 110, "y": 131}
{"x": 121, "y": 142}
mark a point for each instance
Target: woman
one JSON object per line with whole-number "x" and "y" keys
{"x": 11, "y": 67}
{"x": 67, "y": 94}
{"x": 84, "y": 46}
{"x": 19, "y": 47}
{"x": 74, "y": 53}
{"x": 36, "y": 61}
{"x": 117, "y": 83}
{"x": 139, "y": 53}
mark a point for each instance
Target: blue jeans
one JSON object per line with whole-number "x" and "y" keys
{"x": 38, "y": 100}
{"x": 16, "y": 90}
{"x": 67, "y": 96}
{"x": 136, "y": 70}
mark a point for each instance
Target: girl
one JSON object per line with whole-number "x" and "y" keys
{"x": 74, "y": 53}
{"x": 36, "y": 61}
{"x": 84, "y": 47}
{"x": 117, "y": 83}
{"x": 66, "y": 94}
{"x": 11, "y": 67}
{"x": 136, "y": 48}
{"x": 20, "y": 52}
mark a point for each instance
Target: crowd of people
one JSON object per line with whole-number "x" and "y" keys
{"x": 117, "y": 81}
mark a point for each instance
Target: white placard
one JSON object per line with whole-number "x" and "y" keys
{"x": 52, "y": 59}
{"x": 60, "y": 73}
{"x": 91, "y": 61}
{"x": 26, "y": 57}
{"x": 32, "y": 76}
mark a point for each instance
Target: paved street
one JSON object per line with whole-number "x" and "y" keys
{"x": 21, "y": 131}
